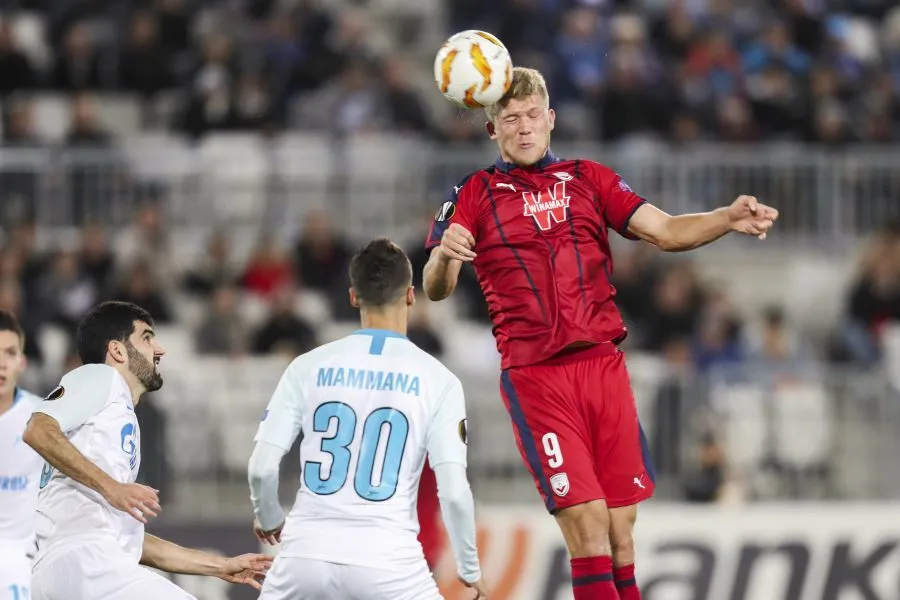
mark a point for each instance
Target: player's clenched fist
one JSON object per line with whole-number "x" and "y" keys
{"x": 137, "y": 500}
{"x": 457, "y": 243}
{"x": 749, "y": 217}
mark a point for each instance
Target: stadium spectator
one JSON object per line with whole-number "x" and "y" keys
{"x": 96, "y": 260}
{"x": 140, "y": 286}
{"x": 66, "y": 292}
{"x": 421, "y": 332}
{"x": 269, "y": 270}
{"x": 874, "y": 300}
{"x": 705, "y": 484}
{"x": 19, "y": 185}
{"x": 321, "y": 255}
{"x": 215, "y": 268}
{"x": 223, "y": 330}
{"x": 147, "y": 240}
{"x": 18, "y": 74}
{"x": 144, "y": 62}
{"x": 284, "y": 332}
{"x": 78, "y": 62}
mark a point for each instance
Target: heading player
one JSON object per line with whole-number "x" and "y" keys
{"x": 536, "y": 228}
{"x": 370, "y": 406}
{"x": 20, "y": 466}
{"x": 91, "y": 513}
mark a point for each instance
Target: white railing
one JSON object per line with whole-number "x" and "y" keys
{"x": 390, "y": 184}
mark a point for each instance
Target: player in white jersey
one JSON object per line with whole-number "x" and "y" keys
{"x": 370, "y": 406}
{"x": 20, "y": 466}
{"x": 90, "y": 515}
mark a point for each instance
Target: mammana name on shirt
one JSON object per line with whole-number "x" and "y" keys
{"x": 364, "y": 379}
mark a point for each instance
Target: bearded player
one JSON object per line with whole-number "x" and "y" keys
{"x": 536, "y": 229}
{"x": 90, "y": 514}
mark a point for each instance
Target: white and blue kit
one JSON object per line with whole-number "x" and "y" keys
{"x": 370, "y": 407}
{"x": 20, "y": 471}
{"x": 86, "y": 548}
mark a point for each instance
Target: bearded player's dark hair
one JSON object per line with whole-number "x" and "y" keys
{"x": 380, "y": 273}
{"x": 107, "y": 322}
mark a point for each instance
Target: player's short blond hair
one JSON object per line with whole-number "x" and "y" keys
{"x": 525, "y": 82}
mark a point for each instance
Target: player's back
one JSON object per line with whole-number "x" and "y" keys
{"x": 367, "y": 401}
{"x": 20, "y": 469}
{"x": 94, "y": 409}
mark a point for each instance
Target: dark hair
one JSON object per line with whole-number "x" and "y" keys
{"x": 380, "y": 273}
{"x": 9, "y": 322}
{"x": 105, "y": 323}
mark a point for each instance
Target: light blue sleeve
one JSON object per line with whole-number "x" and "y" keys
{"x": 281, "y": 420}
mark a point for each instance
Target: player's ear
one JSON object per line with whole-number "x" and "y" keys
{"x": 354, "y": 301}
{"x": 491, "y": 130}
{"x": 410, "y": 296}
{"x": 552, "y": 116}
{"x": 117, "y": 351}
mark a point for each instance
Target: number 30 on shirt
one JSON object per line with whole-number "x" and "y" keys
{"x": 338, "y": 446}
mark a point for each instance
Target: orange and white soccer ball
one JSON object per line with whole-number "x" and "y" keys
{"x": 473, "y": 69}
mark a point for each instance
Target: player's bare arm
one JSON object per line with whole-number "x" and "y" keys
{"x": 442, "y": 270}
{"x": 746, "y": 215}
{"x": 172, "y": 558}
{"x": 44, "y": 435}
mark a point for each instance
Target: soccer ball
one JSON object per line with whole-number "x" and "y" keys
{"x": 473, "y": 69}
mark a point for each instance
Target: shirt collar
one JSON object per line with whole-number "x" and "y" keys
{"x": 548, "y": 159}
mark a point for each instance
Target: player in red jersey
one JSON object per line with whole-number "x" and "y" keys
{"x": 536, "y": 228}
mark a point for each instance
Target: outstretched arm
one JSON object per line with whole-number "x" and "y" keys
{"x": 687, "y": 232}
{"x": 172, "y": 558}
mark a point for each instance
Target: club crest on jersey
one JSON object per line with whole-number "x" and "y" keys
{"x": 445, "y": 212}
{"x": 548, "y": 207}
{"x": 560, "y": 484}
{"x": 563, "y": 176}
{"x": 56, "y": 394}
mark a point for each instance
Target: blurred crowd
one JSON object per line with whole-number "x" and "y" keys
{"x": 825, "y": 71}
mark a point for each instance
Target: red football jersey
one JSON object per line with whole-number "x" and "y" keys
{"x": 544, "y": 261}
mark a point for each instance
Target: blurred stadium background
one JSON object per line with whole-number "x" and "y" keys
{"x": 218, "y": 162}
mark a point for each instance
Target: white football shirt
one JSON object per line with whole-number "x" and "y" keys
{"x": 20, "y": 471}
{"x": 370, "y": 406}
{"x": 94, "y": 409}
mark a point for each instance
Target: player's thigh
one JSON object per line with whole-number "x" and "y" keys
{"x": 620, "y": 453}
{"x": 552, "y": 434}
{"x": 365, "y": 583}
{"x": 292, "y": 578}
{"x": 99, "y": 572}
{"x": 15, "y": 575}
{"x": 138, "y": 583}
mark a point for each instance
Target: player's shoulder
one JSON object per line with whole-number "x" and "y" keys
{"x": 88, "y": 379}
{"x": 433, "y": 368}
{"x": 594, "y": 168}
{"x": 467, "y": 190}
{"x": 28, "y": 398}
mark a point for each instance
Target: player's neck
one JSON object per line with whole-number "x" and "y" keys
{"x": 136, "y": 388}
{"x": 388, "y": 320}
{"x": 6, "y": 401}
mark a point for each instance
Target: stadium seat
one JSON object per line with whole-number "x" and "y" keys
{"x": 235, "y": 168}
{"x": 745, "y": 431}
{"x": 803, "y": 429}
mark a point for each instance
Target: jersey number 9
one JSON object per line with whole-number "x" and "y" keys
{"x": 338, "y": 446}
